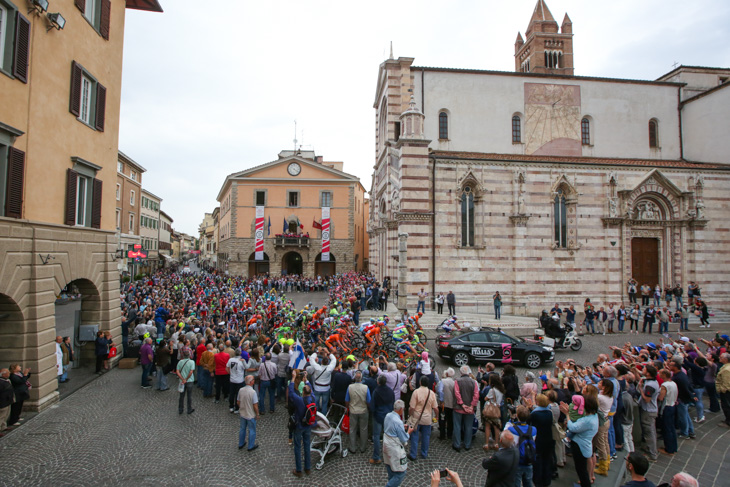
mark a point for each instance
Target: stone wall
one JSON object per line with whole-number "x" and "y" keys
{"x": 28, "y": 289}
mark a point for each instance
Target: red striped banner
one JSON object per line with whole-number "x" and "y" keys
{"x": 325, "y": 234}
{"x": 259, "y": 233}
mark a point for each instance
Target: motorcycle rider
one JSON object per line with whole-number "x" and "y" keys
{"x": 552, "y": 327}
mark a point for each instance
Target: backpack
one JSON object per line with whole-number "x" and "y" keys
{"x": 526, "y": 445}
{"x": 310, "y": 415}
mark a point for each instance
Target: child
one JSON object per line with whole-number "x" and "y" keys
{"x": 575, "y": 412}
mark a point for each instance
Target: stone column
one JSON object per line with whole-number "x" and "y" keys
{"x": 402, "y": 272}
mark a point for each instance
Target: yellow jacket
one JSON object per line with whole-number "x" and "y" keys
{"x": 722, "y": 382}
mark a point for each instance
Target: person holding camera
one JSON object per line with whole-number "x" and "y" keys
{"x": 449, "y": 475}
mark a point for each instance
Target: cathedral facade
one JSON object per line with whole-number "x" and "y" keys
{"x": 546, "y": 186}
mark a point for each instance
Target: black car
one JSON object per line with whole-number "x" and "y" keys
{"x": 491, "y": 345}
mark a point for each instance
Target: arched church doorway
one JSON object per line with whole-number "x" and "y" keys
{"x": 325, "y": 269}
{"x": 291, "y": 263}
{"x": 645, "y": 261}
{"x": 257, "y": 267}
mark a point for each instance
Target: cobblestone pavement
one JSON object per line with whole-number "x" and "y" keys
{"x": 111, "y": 432}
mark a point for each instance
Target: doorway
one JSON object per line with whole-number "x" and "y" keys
{"x": 325, "y": 269}
{"x": 645, "y": 260}
{"x": 291, "y": 264}
{"x": 257, "y": 267}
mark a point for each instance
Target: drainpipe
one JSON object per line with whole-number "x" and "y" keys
{"x": 433, "y": 227}
{"x": 679, "y": 111}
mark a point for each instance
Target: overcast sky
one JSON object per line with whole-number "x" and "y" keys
{"x": 211, "y": 88}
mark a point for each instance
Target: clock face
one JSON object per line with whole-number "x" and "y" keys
{"x": 294, "y": 169}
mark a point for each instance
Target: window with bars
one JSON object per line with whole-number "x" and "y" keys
{"x": 653, "y": 134}
{"x": 443, "y": 125}
{"x": 516, "y": 129}
{"x": 326, "y": 199}
{"x": 585, "y": 131}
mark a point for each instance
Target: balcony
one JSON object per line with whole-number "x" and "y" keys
{"x": 286, "y": 241}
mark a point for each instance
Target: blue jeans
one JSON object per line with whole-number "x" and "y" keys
{"x": 463, "y": 429}
{"x": 322, "y": 400}
{"x": 356, "y": 318}
{"x": 161, "y": 379}
{"x": 685, "y": 324}
{"x": 497, "y": 312}
{"x": 657, "y": 300}
{"x": 621, "y": 325}
{"x": 699, "y": 391}
{"x": 421, "y": 306}
{"x": 663, "y": 327}
{"x": 394, "y": 478}
{"x": 160, "y": 329}
{"x": 268, "y": 385}
{"x": 208, "y": 387}
{"x": 669, "y": 432}
{"x": 524, "y": 476}
{"x": 590, "y": 323}
{"x": 302, "y": 437}
{"x": 199, "y": 375}
{"x": 249, "y": 424}
{"x": 377, "y": 430}
{"x": 281, "y": 387}
{"x": 64, "y": 376}
{"x": 686, "y": 427}
{"x": 714, "y": 397}
{"x": 146, "y": 369}
{"x": 679, "y": 301}
{"x": 424, "y": 432}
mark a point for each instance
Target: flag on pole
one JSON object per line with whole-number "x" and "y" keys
{"x": 268, "y": 230}
{"x": 317, "y": 225}
{"x": 286, "y": 226}
{"x": 297, "y": 359}
{"x": 299, "y": 224}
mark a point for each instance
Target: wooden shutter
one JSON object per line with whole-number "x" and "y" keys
{"x": 22, "y": 48}
{"x": 81, "y": 5}
{"x": 71, "y": 182}
{"x": 100, "y": 106}
{"x": 106, "y": 12}
{"x": 96, "y": 205}
{"x": 14, "y": 194}
{"x": 74, "y": 105}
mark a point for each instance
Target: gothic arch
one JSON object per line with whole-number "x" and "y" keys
{"x": 562, "y": 183}
{"x": 659, "y": 189}
{"x": 470, "y": 180}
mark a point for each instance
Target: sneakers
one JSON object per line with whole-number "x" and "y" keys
{"x": 614, "y": 456}
{"x": 230, "y": 410}
{"x": 700, "y": 420}
{"x": 692, "y": 436}
{"x": 682, "y": 437}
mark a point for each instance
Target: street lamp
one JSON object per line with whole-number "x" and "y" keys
{"x": 56, "y": 20}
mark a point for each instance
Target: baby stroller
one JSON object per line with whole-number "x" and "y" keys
{"x": 327, "y": 434}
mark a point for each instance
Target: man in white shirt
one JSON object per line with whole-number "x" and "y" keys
{"x": 236, "y": 368}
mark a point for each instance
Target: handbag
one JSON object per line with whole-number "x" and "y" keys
{"x": 491, "y": 410}
{"x": 346, "y": 423}
{"x": 414, "y": 424}
{"x": 112, "y": 352}
{"x": 181, "y": 387}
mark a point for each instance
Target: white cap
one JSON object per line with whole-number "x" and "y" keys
{"x": 684, "y": 339}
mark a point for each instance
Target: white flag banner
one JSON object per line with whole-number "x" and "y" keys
{"x": 259, "y": 233}
{"x": 325, "y": 234}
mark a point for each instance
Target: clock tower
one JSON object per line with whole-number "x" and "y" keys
{"x": 545, "y": 48}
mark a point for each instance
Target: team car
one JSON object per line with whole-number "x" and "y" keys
{"x": 491, "y": 345}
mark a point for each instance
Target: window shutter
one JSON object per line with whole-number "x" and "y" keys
{"x": 22, "y": 48}
{"x": 75, "y": 101}
{"x": 71, "y": 181}
{"x": 100, "y": 106}
{"x": 106, "y": 12}
{"x": 81, "y": 5}
{"x": 16, "y": 172}
{"x": 96, "y": 205}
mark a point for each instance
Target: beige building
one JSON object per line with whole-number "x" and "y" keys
{"x": 205, "y": 231}
{"x": 292, "y": 190}
{"x": 59, "y": 124}
{"x": 149, "y": 229}
{"x": 128, "y": 194}
{"x": 166, "y": 238}
{"x": 549, "y": 187}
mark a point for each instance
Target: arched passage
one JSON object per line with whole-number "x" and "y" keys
{"x": 256, "y": 267}
{"x": 78, "y": 304}
{"x": 12, "y": 333}
{"x": 325, "y": 268}
{"x": 291, "y": 263}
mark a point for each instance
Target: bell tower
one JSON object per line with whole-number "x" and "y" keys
{"x": 545, "y": 48}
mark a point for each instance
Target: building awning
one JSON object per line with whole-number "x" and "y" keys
{"x": 168, "y": 257}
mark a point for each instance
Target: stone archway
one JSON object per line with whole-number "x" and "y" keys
{"x": 258, "y": 267}
{"x": 292, "y": 263}
{"x": 79, "y": 303}
{"x": 12, "y": 333}
{"x": 325, "y": 269}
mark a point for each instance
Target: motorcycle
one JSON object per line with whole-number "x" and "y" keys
{"x": 570, "y": 341}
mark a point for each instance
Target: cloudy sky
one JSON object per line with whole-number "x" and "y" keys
{"x": 211, "y": 88}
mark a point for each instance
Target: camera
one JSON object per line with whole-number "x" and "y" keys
{"x": 444, "y": 473}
